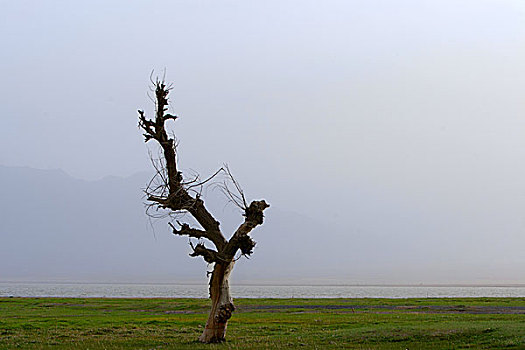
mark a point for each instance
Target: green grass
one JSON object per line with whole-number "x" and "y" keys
{"x": 74, "y": 323}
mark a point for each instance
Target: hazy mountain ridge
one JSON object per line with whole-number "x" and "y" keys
{"x": 60, "y": 228}
{"x": 55, "y": 227}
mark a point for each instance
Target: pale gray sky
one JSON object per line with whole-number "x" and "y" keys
{"x": 402, "y": 118}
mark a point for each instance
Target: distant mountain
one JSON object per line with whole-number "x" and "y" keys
{"x": 55, "y": 227}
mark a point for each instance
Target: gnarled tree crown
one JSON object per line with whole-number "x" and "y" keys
{"x": 176, "y": 195}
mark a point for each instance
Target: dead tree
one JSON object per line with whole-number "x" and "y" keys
{"x": 170, "y": 191}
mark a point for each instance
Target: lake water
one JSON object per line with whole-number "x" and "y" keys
{"x": 250, "y": 291}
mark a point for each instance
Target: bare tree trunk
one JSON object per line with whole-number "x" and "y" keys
{"x": 222, "y": 304}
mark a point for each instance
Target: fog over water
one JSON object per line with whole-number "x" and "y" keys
{"x": 388, "y": 136}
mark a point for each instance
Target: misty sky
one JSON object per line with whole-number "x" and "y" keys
{"x": 398, "y": 118}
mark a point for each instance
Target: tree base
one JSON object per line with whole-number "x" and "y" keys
{"x": 222, "y": 305}
{"x": 210, "y": 336}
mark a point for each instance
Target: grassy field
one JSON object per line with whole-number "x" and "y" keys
{"x": 60, "y": 323}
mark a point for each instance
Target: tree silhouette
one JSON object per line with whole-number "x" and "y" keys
{"x": 170, "y": 192}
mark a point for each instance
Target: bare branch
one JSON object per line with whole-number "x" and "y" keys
{"x": 186, "y": 230}
{"x": 167, "y": 189}
{"x": 205, "y": 181}
{"x": 170, "y": 116}
{"x": 209, "y": 255}
{"x": 240, "y": 240}
{"x": 236, "y": 195}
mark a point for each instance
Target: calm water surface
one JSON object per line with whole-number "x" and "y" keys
{"x": 250, "y": 291}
